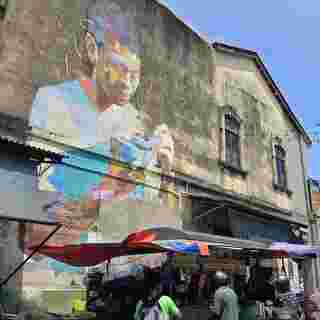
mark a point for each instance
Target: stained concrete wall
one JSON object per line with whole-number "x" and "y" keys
{"x": 239, "y": 83}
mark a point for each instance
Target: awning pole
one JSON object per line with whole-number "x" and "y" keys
{"x": 30, "y": 256}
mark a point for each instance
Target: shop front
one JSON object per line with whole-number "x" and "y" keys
{"x": 258, "y": 226}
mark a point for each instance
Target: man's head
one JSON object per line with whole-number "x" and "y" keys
{"x": 112, "y": 50}
{"x": 221, "y": 279}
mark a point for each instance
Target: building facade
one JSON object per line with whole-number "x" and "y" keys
{"x": 268, "y": 164}
{"x": 157, "y": 125}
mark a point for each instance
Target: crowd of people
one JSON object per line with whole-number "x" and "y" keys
{"x": 159, "y": 294}
{"x": 167, "y": 292}
{"x": 163, "y": 292}
{"x": 186, "y": 286}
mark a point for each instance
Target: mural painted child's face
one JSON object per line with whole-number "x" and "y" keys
{"x": 118, "y": 72}
{"x": 117, "y": 68}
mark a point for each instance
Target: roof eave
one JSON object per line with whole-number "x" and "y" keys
{"x": 29, "y": 150}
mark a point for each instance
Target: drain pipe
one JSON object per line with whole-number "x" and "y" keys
{"x": 311, "y": 221}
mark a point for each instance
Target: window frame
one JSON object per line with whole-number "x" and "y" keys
{"x": 232, "y": 168}
{"x": 280, "y": 159}
{"x": 232, "y": 141}
{"x": 278, "y": 184}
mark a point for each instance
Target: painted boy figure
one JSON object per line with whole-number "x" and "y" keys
{"x": 87, "y": 112}
{"x": 94, "y": 114}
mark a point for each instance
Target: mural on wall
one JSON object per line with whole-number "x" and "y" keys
{"x": 120, "y": 157}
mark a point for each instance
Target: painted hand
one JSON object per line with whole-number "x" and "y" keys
{"x": 165, "y": 148}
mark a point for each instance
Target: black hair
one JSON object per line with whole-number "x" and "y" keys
{"x": 104, "y": 8}
{"x": 152, "y": 282}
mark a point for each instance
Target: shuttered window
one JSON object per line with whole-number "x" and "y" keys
{"x": 280, "y": 157}
{"x": 232, "y": 141}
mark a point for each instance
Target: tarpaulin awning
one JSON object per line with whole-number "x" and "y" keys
{"x": 171, "y": 239}
{"x": 92, "y": 254}
{"x": 157, "y": 240}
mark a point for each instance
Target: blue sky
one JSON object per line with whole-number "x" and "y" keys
{"x": 284, "y": 33}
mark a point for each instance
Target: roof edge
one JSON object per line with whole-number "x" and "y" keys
{"x": 192, "y": 29}
{"x": 271, "y": 83}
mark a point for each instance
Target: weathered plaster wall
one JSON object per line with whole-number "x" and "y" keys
{"x": 238, "y": 83}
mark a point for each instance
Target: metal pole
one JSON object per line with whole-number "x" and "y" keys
{"x": 314, "y": 241}
{"x": 30, "y": 256}
{"x": 311, "y": 220}
{"x": 313, "y": 235}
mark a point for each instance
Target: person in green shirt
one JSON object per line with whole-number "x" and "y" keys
{"x": 226, "y": 304}
{"x": 169, "y": 309}
{"x": 155, "y": 305}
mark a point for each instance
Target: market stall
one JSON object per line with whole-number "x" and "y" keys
{"x": 249, "y": 263}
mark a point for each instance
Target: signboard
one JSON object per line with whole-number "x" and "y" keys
{"x": 258, "y": 229}
{"x": 222, "y": 264}
{"x": 29, "y": 207}
{"x": 211, "y": 263}
{"x": 315, "y": 200}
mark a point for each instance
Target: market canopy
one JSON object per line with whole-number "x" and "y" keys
{"x": 164, "y": 239}
{"x": 295, "y": 250}
{"x": 92, "y": 254}
{"x": 156, "y": 240}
